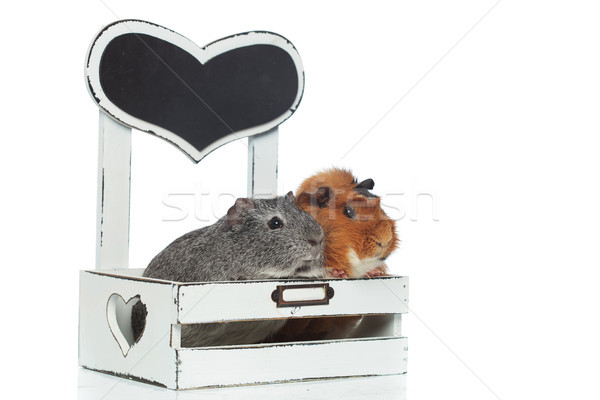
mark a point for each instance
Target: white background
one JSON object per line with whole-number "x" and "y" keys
{"x": 494, "y": 119}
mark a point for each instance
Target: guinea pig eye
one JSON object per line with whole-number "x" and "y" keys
{"x": 349, "y": 212}
{"x": 275, "y": 223}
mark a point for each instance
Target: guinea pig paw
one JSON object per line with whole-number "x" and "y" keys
{"x": 338, "y": 273}
{"x": 379, "y": 271}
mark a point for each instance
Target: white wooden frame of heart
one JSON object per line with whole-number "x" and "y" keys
{"x": 202, "y": 54}
{"x": 114, "y": 160}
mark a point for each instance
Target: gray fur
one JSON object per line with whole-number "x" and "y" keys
{"x": 241, "y": 246}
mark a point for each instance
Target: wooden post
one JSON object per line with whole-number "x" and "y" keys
{"x": 114, "y": 173}
{"x": 397, "y": 325}
{"x": 262, "y": 164}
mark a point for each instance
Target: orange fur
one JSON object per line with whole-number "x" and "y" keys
{"x": 371, "y": 234}
{"x": 370, "y": 226}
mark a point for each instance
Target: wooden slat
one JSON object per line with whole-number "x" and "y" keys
{"x": 262, "y": 164}
{"x": 216, "y": 302}
{"x": 114, "y": 171}
{"x": 283, "y": 363}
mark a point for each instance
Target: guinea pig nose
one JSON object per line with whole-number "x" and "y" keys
{"x": 317, "y": 241}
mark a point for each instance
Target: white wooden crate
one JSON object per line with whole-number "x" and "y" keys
{"x": 158, "y": 357}
{"x": 108, "y": 293}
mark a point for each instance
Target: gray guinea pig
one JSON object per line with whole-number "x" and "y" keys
{"x": 257, "y": 239}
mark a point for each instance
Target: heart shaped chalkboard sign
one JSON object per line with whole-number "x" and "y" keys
{"x": 198, "y": 98}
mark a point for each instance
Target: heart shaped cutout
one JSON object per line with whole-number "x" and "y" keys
{"x": 198, "y": 98}
{"x": 119, "y": 317}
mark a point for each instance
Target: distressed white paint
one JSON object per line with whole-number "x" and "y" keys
{"x": 262, "y": 164}
{"x": 176, "y": 336}
{"x": 151, "y": 357}
{"x": 215, "y": 302}
{"x": 158, "y": 356}
{"x": 94, "y": 386}
{"x": 114, "y": 172}
{"x": 202, "y": 54}
{"x": 281, "y": 363}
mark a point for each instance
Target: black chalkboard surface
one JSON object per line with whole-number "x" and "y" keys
{"x": 153, "y": 79}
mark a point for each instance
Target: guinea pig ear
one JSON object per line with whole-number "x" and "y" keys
{"x": 234, "y": 214}
{"x": 323, "y": 195}
{"x": 366, "y": 184}
{"x": 290, "y": 196}
{"x": 320, "y": 198}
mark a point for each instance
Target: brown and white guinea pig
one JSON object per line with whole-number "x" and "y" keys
{"x": 359, "y": 236}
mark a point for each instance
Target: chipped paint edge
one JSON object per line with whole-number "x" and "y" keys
{"x": 283, "y": 381}
{"x": 126, "y": 376}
